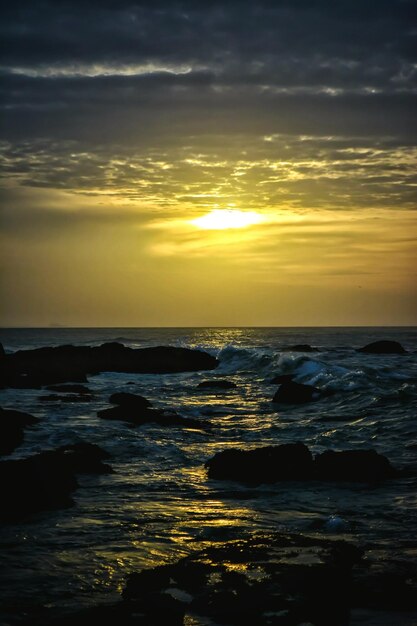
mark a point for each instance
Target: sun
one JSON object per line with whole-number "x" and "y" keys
{"x": 220, "y": 219}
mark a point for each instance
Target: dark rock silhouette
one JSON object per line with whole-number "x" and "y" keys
{"x": 137, "y": 410}
{"x": 353, "y": 465}
{"x": 296, "y": 393}
{"x": 269, "y": 464}
{"x": 295, "y": 462}
{"x": 46, "y": 481}
{"x": 12, "y": 424}
{"x": 217, "y": 384}
{"x": 383, "y": 347}
{"x": 281, "y": 378}
{"x": 46, "y": 366}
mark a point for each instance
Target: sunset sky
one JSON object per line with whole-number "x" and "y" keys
{"x": 208, "y": 164}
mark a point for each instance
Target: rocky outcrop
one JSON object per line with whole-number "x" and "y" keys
{"x": 217, "y": 384}
{"x": 296, "y": 393}
{"x": 262, "y": 465}
{"x": 137, "y": 410}
{"x": 295, "y": 462}
{"x": 383, "y": 347}
{"x": 47, "y": 480}
{"x": 12, "y": 425}
{"x": 353, "y": 466}
{"x": 47, "y": 366}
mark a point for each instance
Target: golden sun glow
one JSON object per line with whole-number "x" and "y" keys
{"x": 220, "y": 219}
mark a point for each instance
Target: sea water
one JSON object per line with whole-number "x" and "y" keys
{"x": 159, "y": 505}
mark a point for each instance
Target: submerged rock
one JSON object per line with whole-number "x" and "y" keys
{"x": 12, "y": 424}
{"x": 217, "y": 384}
{"x": 296, "y": 393}
{"x": 295, "y": 462}
{"x": 269, "y": 464}
{"x": 45, "y": 366}
{"x": 383, "y": 347}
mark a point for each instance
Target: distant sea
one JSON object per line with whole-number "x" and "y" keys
{"x": 159, "y": 504}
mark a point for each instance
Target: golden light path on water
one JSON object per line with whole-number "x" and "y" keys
{"x": 220, "y": 219}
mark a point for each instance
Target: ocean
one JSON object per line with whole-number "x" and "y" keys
{"x": 159, "y": 504}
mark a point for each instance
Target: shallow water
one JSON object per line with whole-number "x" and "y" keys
{"x": 159, "y": 504}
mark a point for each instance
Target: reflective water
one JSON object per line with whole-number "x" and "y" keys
{"x": 159, "y": 505}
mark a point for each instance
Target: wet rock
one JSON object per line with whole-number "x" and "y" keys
{"x": 383, "y": 347}
{"x": 77, "y": 389}
{"x": 217, "y": 384}
{"x": 297, "y": 393}
{"x": 263, "y": 465}
{"x": 281, "y": 378}
{"x": 353, "y": 466}
{"x": 12, "y": 424}
{"x": 46, "y": 366}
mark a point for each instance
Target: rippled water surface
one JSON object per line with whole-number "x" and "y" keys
{"x": 159, "y": 504}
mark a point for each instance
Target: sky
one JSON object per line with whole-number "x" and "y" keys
{"x": 208, "y": 163}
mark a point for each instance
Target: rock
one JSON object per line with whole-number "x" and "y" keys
{"x": 295, "y": 462}
{"x": 12, "y": 424}
{"x": 46, "y": 366}
{"x": 353, "y": 466}
{"x": 383, "y": 347}
{"x": 281, "y": 378}
{"x": 296, "y": 393}
{"x": 301, "y": 347}
{"x": 269, "y": 464}
{"x": 78, "y": 389}
{"x": 129, "y": 401}
{"x": 217, "y": 384}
